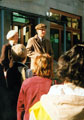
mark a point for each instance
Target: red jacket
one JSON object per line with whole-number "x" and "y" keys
{"x": 31, "y": 91}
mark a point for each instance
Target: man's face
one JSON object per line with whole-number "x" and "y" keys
{"x": 41, "y": 33}
{"x": 15, "y": 38}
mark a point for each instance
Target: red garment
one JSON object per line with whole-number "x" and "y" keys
{"x": 31, "y": 91}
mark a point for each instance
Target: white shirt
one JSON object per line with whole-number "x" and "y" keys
{"x": 67, "y": 89}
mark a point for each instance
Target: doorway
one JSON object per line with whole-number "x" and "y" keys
{"x": 25, "y": 25}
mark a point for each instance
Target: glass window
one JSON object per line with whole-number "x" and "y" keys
{"x": 76, "y": 38}
{"x": 68, "y": 40}
{"x": 68, "y": 22}
{"x": 54, "y": 37}
{"x": 19, "y": 18}
{"x": 56, "y": 16}
{"x": 75, "y": 23}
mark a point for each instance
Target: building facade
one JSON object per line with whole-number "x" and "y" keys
{"x": 25, "y": 14}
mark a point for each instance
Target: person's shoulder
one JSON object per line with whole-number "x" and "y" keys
{"x": 46, "y": 39}
{"x": 33, "y": 38}
{"x": 27, "y": 83}
{"x": 13, "y": 68}
{"x": 30, "y": 80}
{"x": 20, "y": 64}
{"x": 5, "y": 45}
{"x": 56, "y": 89}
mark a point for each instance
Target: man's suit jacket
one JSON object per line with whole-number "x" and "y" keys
{"x": 35, "y": 46}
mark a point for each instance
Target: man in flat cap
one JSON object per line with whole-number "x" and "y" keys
{"x": 5, "y": 58}
{"x": 38, "y": 44}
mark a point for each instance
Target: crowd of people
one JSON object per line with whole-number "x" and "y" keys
{"x": 29, "y": 93}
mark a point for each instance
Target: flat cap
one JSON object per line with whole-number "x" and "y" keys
{"x": 40, "y": 26}
{"x": 19, "y": 52}
{"x": 10, "y": 34}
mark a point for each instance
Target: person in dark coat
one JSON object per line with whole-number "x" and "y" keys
{"x": 16, "y": 75}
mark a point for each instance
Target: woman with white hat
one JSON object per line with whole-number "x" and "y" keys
{"x": 5, "y": 59}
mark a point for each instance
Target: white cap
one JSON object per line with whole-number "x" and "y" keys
{"x": 11, "y": 33}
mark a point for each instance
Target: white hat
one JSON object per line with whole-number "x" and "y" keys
{"x": 10, "y": 34}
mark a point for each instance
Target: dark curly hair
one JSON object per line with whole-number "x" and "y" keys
{"x": 70, "y": 66}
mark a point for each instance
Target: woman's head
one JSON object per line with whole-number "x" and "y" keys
{"x": 71, "y": 66}
{"x": 19, "y": 53}
{"x": 43, "y": 66}
{"x": 12, "y": 36}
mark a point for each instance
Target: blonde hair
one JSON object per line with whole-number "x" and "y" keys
{"x": 43, "y": 66}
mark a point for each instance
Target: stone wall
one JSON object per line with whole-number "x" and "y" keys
{"x": 41, "y": 6}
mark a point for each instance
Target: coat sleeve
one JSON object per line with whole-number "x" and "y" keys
{"x": 4, "y": 60}
{"x": 30, "y": 48}
{"x": 6, "y": 56}
{"x": 3, "y": 53}
{"x": 50, "y": 50}
{"x": 20, "y": 105}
